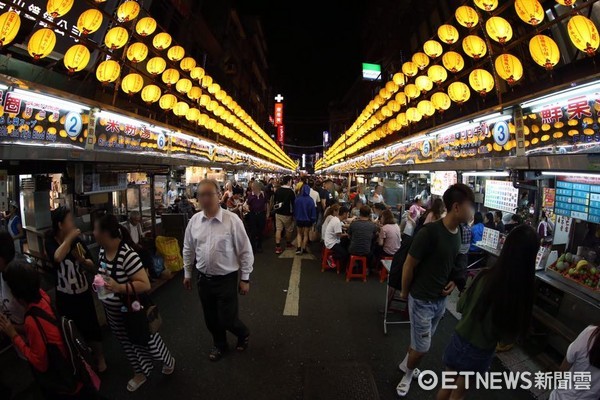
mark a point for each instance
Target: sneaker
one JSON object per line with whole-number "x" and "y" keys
{"x": 278, "y": 250}
{"x": 330, "y": 262}
{"x": 298, "y": 251}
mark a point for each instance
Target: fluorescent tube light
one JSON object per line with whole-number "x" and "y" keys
{"x": 120, "y": 118}
{"x": 418, "y": 172}
{"x": 562, "y": 95}
{"x": 451, "y": 129}
{"x": 487, "y": 173}
{"x": 576, "y": 174}
{"x": 49, "y": 100}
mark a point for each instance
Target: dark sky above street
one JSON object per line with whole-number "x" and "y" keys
{"x": 314, "y": 57}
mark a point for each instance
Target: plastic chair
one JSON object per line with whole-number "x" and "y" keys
{"x": 383, "y": 274}
{"x": 350, "y": 270}
{"x": 325, "y": 254}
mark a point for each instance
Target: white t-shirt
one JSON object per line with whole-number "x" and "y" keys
{"x": 577, "y": 356}
{"x": 135, "y": 231}
{"x": 11, "y": 308}
{"x": 315, "y": 196}
{"x": 377, "y": 198}
{"x": 171, "y": 196}
{"x": 331, "y": 237}
{"x": 324, "y": 226}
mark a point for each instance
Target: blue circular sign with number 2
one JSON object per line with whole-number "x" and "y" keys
{"x": 501, "y": 133}
{"x": 73, "y": 124}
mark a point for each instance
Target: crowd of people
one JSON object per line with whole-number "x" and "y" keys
{"x": 438, "y": 236}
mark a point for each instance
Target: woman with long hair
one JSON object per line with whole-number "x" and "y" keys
{"x": 488, "y": 221}
{"x": 72, "y": 260}
{"x": 583, "y": 356}
{"x": 389, "y": 235}
{"x": 330, "y": 212}
{"x": 125, "y": 274}
{"x": 436, "y": 212}
{"x": 496, "y": 308}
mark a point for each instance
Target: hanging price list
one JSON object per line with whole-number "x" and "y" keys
{"x": 578, "y": 200}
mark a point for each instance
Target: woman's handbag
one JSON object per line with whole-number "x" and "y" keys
{"x": 142, "y": 318}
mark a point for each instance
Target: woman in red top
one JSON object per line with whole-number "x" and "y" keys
{"x": 24, "y": 282}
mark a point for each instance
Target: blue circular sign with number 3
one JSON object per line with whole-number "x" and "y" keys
{"x": 73, "y": 124}
{"x": 501, "y": 133}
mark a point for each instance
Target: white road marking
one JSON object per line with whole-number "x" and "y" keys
{"x": 292, "y": 300}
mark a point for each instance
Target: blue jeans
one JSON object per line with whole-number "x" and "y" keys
{"x": 460, "y": 355}
{"x": 425, "y": 316}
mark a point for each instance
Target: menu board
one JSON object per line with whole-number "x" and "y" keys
{"x": 578, "y": 197}
{"x": 442, "y": 180}
{"x": 490, "y": 238}
{"x": 562, "y": 228}
{"x": 501, "y": 195}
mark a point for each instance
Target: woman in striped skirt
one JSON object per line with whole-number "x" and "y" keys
{"x": 123, "y": 266}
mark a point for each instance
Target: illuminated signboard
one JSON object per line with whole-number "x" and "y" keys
{"x": 371, "y": 72}
{"x": 501, "y": 195}
{"x": 578, "y": 197}
{"x": 278, "y": 114}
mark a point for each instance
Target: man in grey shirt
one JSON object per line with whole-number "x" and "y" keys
{"x": 361, "y": 232}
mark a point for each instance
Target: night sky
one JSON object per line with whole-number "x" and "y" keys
{"x": 314, "y": 56}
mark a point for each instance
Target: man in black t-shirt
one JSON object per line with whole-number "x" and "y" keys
{"x": 283, "y": 205}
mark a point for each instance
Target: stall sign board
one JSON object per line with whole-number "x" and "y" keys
{"x": 442, "y": 180}
{"x": 3, "y": 189}
{"x": 519, "y": 132}
{"x": 490, "y": 238}
{"x": 549, "y": 197}
{"x": 578, "y": 197}
{"x": 501, "y": 195}
{"x": 562, "y": 229}
{"x": 114, "y": 135}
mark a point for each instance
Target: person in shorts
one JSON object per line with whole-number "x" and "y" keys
{"x": 283, "y": 205}
{"x": 426, "y": 277}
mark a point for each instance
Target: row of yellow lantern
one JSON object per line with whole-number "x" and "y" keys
{"x": 543, "y": 50}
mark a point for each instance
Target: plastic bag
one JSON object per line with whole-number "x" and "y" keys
{"x": 168, "y": 248}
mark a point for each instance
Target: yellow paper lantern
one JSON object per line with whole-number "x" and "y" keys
{"x": 204, "y": 100}
{"x": 433, "y": 48}
{"x": 399, "y": 79}
{"x": 170, "y": 76}
{"x": 544, "y": 51}
{"x": 412, "y": 91}
{"x": 481, "y": 81}
{"x": 459, "y": 92}
{"x": 220, "y": 95}
{"x": 487, "y": 5}
{"x": 10, "y": 23}
{"x": 466, "y": 16}
{"x": 145, "y": 26}
{"x": 401, "y": 98}
{"x": 402, "y": 120}
{"x": 194, "y": 93}
{"x": 206, "y": 81}
{"x": 509, "y": 68}
{"x": 474, "y": 46}
{"x": 203, "y": 119}
{"x": 89, "y": 21}
{"x": 76, "y": 58}
{"x": 116, "y": 38}
{"x": 424, "y": 83}
{"x": 167, "y": 102}
{"x": 410, "y": 69}
{"x": 529, "y": 11}
{"x": 426, "y": 108}
{"x": 41, "y": 43}
{"x": 382, "y": 92}
{"x": 137, "y": 52}
{"x": 156, "y": 65}
{"x": 192, "y": 115}
{"x": 128, "y": 11}
{"x": 567, "y": 3}
{"x": 176, "y": 53}
{"x": 448, "y": 34}
{"x": 421, "y": 59}
{"x": 499, "y": 29}
{"x": 132, "y": 83}
{"x": 197, "y": 73}
{"x": 440, "y": 101}
{"x": 58, "y": 8}
{"x": 214, "y": 88}
{"x": 386, "y": 111}
{"x": 161, "y": 41}
{"x": 183, "y": 85}
{"x": 584, "y": 34}
{"x": 187, "y": 64}
{"x": 413, "y": 115}
{"x": 151, "y": 94}
{"x": 394, "y": 106}
{"x": 453, "y": 62}
{"x": 437, "y": 74}
{"x": 108, "y": 71}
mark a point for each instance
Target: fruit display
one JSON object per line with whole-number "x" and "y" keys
{"x": 578, "y": 269}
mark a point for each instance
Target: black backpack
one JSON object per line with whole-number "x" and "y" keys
{"x": 64, "y": 374}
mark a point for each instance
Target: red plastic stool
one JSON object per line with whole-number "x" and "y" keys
{"x": 350, "y": 270}
{"x": 325, "y": 254}
{"x": 383, "y": 273}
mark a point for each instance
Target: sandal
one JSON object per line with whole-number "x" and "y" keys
{"x": 242, "y": 343}
{"x": 416, "y": 371}
{"x": 215, "y": 354}
{"x": 403, "y": 387}
{"x": 134, "y": 384}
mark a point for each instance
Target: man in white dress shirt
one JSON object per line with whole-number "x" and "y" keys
{"x": 217, "y": 240}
